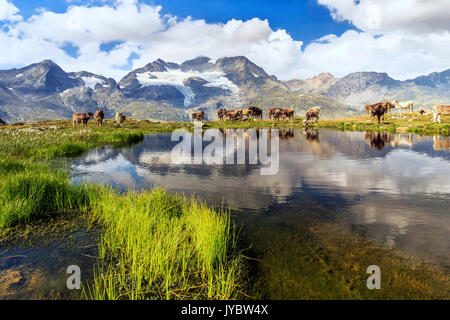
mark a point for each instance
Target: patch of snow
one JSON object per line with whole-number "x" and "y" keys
{"x": 218, "y": 79}
{"x": 172, "y": 78}
{"x": 91, "y": 82}
{"x": 176, "y": 78}
{"x": 255, "y": 75}
{"x": 19, "y": 75}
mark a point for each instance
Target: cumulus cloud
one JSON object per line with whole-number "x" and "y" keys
{"x": 8, "y": 11}
{"x": 140, "y": 31}
{"x": 381, "y": 16}
{"x": 402, "y": 57}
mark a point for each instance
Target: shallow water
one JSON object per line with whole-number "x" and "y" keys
{"x": 39, "y": 270}
{"x": 393, "y": 187}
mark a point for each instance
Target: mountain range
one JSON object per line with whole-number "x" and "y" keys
{"x": 169, "y": 91}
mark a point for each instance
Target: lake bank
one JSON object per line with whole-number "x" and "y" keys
{"x": 394, "y": 123}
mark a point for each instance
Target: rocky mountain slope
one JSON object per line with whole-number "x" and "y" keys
{"x": 360, "y": 88}
{"x": 168, "y": 91}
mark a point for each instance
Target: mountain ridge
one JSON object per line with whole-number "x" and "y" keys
{"x": 170, "y": 91}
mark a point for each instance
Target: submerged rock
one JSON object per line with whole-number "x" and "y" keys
{"x": 10, "y": 279}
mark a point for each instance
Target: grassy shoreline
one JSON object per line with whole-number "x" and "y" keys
{"x": 394, "y": 123}
{"x": 169, "y": 247}
{"x": 408, "y": 123}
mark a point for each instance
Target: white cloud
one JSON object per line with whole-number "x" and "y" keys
{"x": 386, "y": 43}
{"x": 402, "y": 57}
{"x": 8, "y": 11}
{"x": 381, "y": 16}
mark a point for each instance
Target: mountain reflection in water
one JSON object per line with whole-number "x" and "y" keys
{"x": 394, "y": 186}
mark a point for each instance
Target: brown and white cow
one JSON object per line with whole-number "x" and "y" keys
{"x": 288, "y": 114}
{"x": 369, "y": 107}
{"x": 198, "y": 116}
{"x": 234, "y": 115}
{"x": 245, "y": 113}
{"x": 81, "y": 118}
{"x": 379, "y": 110}
{"x": 274, "y": 113}
{"x": 221, "y": 114}
{"x": 99, "y": 116}
{"x": 256, "y": 112}
{"x": 440, "y": 110}
{"x": 312, "y": 113}
{"x": 120, "y": 118}
{"x": 404, "y": 105}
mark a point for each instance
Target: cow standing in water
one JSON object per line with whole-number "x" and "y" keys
{"x": 99, "y": 116}
{"x": 81, "y": 118}
{"x": 120, "y": 118}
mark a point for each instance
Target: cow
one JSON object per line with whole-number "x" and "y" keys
{"x": 440, "y": 110}
{"x": 245, "y": 113}
{"x": 310, "y": 114}
{"x": 274, "y": 113}
{"x": 198, "y": 116}
{"x": 99, "y": 116}
{"x": 368, "y": 107}
{"x": 2, "y": 123}
{"x": 234, "y": 115}
{"x": 256, "y": 112}
{"x": 404, "y": 105}
{"x": 387, "y": 104}
{"x": 379, "y": 110}
{"x": 288, "y": 114}
{"x": 81, "y": 118}
{"x": 422, "y": 111}
{"x": 221, "y": 114}
{"x": 120, "y": 118}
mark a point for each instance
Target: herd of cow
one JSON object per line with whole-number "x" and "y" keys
{"x": 257, "y": 113}
{"x": 380, "y": 109}
{"x": 99, "y": 116}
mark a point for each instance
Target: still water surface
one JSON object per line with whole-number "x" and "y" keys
{"x": 395, "y": 187}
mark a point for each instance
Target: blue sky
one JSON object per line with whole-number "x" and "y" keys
{"x": 290, "y": 38}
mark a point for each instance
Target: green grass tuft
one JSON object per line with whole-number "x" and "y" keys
{"x": 156, "y": 245}
{"x": 36, "y": 191}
